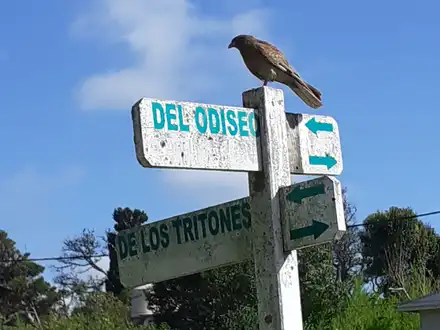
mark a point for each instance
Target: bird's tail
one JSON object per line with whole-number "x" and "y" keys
{"x": 309, "y": 94}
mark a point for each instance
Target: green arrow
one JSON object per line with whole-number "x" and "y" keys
{"x": 316, "y": 229}
{"x": 298, "y": 194}
{"x": 326, "y": 160}
{"x": 316, "y": 126}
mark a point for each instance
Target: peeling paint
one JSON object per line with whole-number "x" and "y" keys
{"x": 213, "y": 137}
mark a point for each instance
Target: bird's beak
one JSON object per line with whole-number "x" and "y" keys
{"x": 230, "y": 45}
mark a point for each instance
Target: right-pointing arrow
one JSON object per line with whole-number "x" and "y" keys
{"x": 326, "y": 160}
{"x": 316, "y": 229}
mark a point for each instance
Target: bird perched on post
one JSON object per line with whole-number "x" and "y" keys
{"x": 267, "y": 63}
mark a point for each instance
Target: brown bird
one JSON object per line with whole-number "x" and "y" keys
{"x": 267, "y": 63}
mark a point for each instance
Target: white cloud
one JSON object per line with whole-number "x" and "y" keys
{"x": 179, "y": 52}
{"x": 208, "y": 186}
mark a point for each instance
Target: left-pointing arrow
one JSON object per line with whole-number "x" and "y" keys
{"x": 298, "y": 194}
{"x": 316, "y": 229}
{"x": 316, "y": 126}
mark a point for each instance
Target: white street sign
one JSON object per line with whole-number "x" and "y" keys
{"x": 314, "y": 145}
{"x": 171, "y": 134}
{"x": 312, "y": 212}
{"x": 186, "y": 244}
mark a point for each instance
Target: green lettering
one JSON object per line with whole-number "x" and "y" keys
{"x": 223, "y": 121}
{"x": 122, "y": 247}
{"x": 253, "y": 124}
{"x": 196, "y": 228}
{"x": 183, "y": 127}
{"x": 171, "y": 116}
{"x": 145, "y": 246}
{"x": 177, "y": 224}
{"x": 187, "y": 226}
{"x": 232, "y": 129}
{"x": 154, "y": 238}
{"x": 213, "y": 224}
{"x": 201, "y": 127}
{"x": 235, "y": 210}
{"x": 202, "y": 218}
{"x": 158, "y": 124}
{"x": 245, "y": 211}
{"x": 225, "y": 219}
{"x": 213, "y": 114}
{"x": 132, "y": 251}
{"x": 164, "y": 235}
{"x": 242, "y": 123}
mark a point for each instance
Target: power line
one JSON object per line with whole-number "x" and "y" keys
{"x": 421, "y": 215}
{"x": 56, "y": 258}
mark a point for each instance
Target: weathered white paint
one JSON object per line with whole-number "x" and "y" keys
{"x": 303, "y": 143}
{"x": 190, "y": 148}
{"x": 164, "y": 147}
{"x": 165, "y": 258}
{"x": 276, "y": 273}
{"x": 326, "y": 208}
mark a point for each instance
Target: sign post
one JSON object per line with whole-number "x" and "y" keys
{"x": 269, "y": 226}
{"x": 276, "y": 272}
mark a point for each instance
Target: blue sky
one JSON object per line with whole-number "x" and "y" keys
{"x": 70, "y": 72}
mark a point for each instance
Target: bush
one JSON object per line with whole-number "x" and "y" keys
{"x": 369, "y": 311}
{"x": 99, "y": 311}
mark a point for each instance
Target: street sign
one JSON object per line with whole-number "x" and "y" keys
{"x": 312, "y": 212}
{"x": 314, "y": 145}
{"x": 276, "y": 218}
{"x": 186, "y": 244}
{"x": 172, "y": 134}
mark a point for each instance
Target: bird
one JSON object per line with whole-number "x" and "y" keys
{"x": 268, "y": 64}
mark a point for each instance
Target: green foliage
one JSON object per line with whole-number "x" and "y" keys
{"x": 207, "y": 300}
{"x": 392, "y": 247}
{"x": 100, "y": 311}
{"x": 368, "y": 311}
{"x": 24, "y": 294}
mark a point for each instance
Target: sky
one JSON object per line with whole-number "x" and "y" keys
{"x": 71, "y": 70}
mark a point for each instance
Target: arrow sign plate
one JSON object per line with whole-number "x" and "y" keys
{"x": 312, "y": 212}
{"x": 314, "y": 145}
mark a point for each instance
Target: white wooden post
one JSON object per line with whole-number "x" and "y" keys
{"x": 276, "y": 272}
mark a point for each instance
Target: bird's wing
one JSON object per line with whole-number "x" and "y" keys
{"x": 275, "y": 57}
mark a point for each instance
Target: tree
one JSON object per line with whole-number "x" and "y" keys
{"x": 395, "y": 242}
{"x": 80, "y": 256}
{"x": 24, "y": 292}
{"x": 124, "y": 218}
{"x": 205, "y": 300}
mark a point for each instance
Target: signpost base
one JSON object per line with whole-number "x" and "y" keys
{"x": 276, "y": 272}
